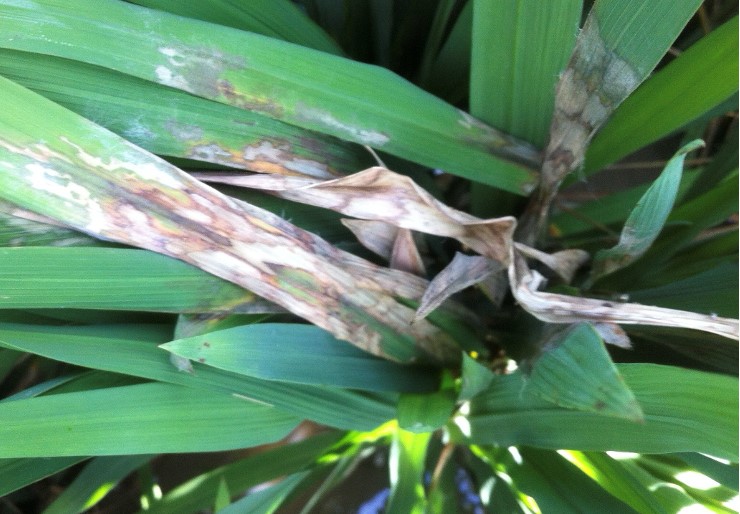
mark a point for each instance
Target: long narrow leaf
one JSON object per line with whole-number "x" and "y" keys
{"x": 298, "y": 85}
{"x": 111, "y": 348}
{"x": 139, "y": 419}
{"x": 519, "y": 49}
{"x": 699, "y": 79}
{"x": 299, "y": 354}
{"x": 92, "y": 180}
{"x": 169, "y": 122}
{"x": 685, "y": 410}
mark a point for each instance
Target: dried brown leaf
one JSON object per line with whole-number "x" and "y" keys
{"x": 376, "y": 236}
{"x": 382, "y": 195}
{"x": 464, "y": 271}
{"x": 558, "y": 308}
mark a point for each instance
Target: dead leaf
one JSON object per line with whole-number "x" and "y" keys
{"x": 464, "y": 271}
{"x": 558, "y": 308}
{"x": 381, "y": 195}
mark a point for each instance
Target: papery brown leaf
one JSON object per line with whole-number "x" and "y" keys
{"x": 376, "y": 236}
{"x": 382, "y": 195}
{"x": 558, "y": 308}
{"x": 464, "y": 271}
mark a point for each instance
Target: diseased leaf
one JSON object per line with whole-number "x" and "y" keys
{"x": 558, "y": 308}
{"x": 169, "y": 122}
{"x": 619, "y": 45}
{"x": 132, "y": 197}
{"x": 405, "y": 255}
{"x": 464, "y": 271}
{"x": 381, "y": 195}
{"x": 574, "y": 370}
{"x": 273, "y": 78}
{"x": 646, "y": 220}
{"x": 565, "y": 262}
{"x": 691, "y": 84}
{"x": 377, "y": 236}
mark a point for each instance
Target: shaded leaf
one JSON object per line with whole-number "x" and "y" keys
{"x": 20, "y": 472}
{"x": 265, "y": 501}
{"x": 646, "y": 220}
{"x": 464, "y": 271}
{"x": 475, "y": 378}
{"x": 94, "y": 482}
{"x": 421, "y": 413}
{"x": 574, "y": 370}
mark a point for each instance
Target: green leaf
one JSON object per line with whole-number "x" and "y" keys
{"x": 421, "y": 413}
{"x": 575, "y": 371}
{"x": 95, "y": 481}
{"x": 519, "y": 49}
{"x": 136, "y": 419}
{"x": 197, "y": 493}
{"x": 280, "y": 19}
{"x": 406, "y": 465}
{"x": 169, "y": 122}
{"x": 685, "y": 410}
{"x": 353, "y": 101}
{"x": 265, "y": 501}
{"x": 18, "y": 473}
{"x": 558, "y": 486}
{"x": 112, "y": 348}
{"x": 114, "y": 279}
{"x": 475, "y": 378}
{"x": 223, "y": 496}
{"x": 695, "y": 82}
{"x": 303, "y": 354}
{"x": 646, "y": 220}
{"x": 618, "y": 480}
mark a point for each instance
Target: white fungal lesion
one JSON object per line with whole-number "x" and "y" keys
{"x": 166, "y": 77}
{"x": 159, "y": 172}
{"x": 358, "y": 134}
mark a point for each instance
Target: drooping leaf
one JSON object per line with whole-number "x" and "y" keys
{"x": 464, "y": 271}
{"x": 560, "y": 308}
{"x": 646, "y": 220}
{"x": 379, "y": 194}
{"x": 575, "y": 371}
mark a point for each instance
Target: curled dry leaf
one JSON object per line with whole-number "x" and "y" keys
{"x": 558, "y": 308}
{"x": 377, "y": 236}
{"x": 464, "y": 271}
{"x": 382, "y": 195}
{"x": 405, "y": 255}
{"x": 565, "y": 263}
